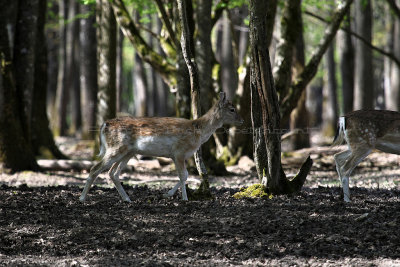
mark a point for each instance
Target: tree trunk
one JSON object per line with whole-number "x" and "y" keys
{"x": 330, "y": 110}
{"x": 15, "y": 152}
{"x": 364, "y": 76}
{"x": 73, "y": 73}
{"x": 62, "y": 93}
{"x": 299, "y": 117}
{"x": 151, "y": 76}
{"x": 162, "y": 92}
{"x": 42, "y": 138}
{"x": 291, "y": 28}
{"x": 24, "y": 57}
{"x": 204, "y": 188}
{"x": 53, "y": 43}
{"x": 140, "y": 87}
{"x": 266, "y": 120}
{"x": 390, "y": 102}
{"x": 240, "y": 140}
{"x": 106, "y": 56}
{"x": 229, "y": 78}
{"x": 119, "y": 72}
{"x": 395, "y": 69}
{"x": 88, "y": 68}
{"x": 182, "y": 95}
{"x": 290, "y": 100}
{"x": 346, "y": 55}
{"x": 314, "y": 102}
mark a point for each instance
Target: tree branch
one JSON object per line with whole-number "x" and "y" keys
{"x": 302, "y": 80}
{"x": 394, "y": 7}
{"x": 167, "y": 23}
{"x": 218, "y": 12}
{"x": 362, "y": 39}
{"x": 159, "y": 63}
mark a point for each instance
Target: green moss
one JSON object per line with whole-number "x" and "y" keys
{"x": 253, "y": 191}
{"x": 45, "y": 153}
{"x": 227, "y": 158}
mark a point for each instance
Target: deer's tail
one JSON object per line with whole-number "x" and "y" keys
{"x": 102, "y": 138}
{"x": 340, "y": 132}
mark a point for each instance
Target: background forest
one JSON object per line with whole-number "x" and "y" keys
{"x": 66, "y": 66}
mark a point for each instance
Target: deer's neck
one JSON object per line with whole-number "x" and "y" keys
{"x": 208, "y": 124}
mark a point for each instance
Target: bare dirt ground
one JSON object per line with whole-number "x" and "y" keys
{"x": 42, "y": 223}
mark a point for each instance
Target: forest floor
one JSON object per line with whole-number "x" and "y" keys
{"x": 42, "y": 223}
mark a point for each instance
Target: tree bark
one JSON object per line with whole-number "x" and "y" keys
{"x": 140, "y": 87}
{"x": 24, "y": 57}
{"x": 15, "y": 152}
{"x": 195, "y": 90}
{"x": 364, "y": 78}
{"x": 264, "y": 95}
{"x": 62, "y": 93}
{"x": 159, "y": 63}
{"x": 73, "y": 73}
{"x": 346, "y": 55}
{"x": 106, "y": 56}
{"x": 395, "y": 69}
{"x": 291, "y": 28}
{"x": 299, "y": 117}
{"x": 42, "y": 138}
{"x": 390, "y": 102}
{"x": 228, "y": 72}
{"x": 119, "y": 71}
{"x": 53, "y": 43}
{"x": 289, "y": 102}
{"x": 330, "y": 109}
{"x": 88, "y": 68}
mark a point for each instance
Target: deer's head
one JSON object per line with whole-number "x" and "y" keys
{"x": 227, "y": 111}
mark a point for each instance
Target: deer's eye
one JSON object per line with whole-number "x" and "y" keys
{"x": 232, "y": 109}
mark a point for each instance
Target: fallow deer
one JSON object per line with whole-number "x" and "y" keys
{"x": 364, "y": 131}
{"x": 176, "y": 138}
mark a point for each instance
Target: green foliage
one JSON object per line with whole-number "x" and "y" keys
{"x": 143, "y": 7}
{"x": 253, "y": 191}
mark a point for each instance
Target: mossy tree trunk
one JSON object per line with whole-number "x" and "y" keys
{"x": 265, "y": 110}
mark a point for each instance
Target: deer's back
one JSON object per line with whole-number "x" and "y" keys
{"x": 154, "y": 136}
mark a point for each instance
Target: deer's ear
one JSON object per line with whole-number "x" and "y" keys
{"x": 222, "y": 99}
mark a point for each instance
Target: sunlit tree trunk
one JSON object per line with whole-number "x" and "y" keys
{"x": 395, "y": 69}
{"x": 106, "y": 56}
{"x": 390, "y": 102}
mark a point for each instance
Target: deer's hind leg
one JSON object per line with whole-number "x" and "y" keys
{"x": 108, "y": 160}
{"x": 346, "y": 161}
{"x": 183, "y": 175}
{"x": 115, "y": 172}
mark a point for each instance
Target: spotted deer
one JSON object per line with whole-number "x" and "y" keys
{"x": 364, "y": 131}
{"x": 176, "y": 138}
